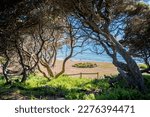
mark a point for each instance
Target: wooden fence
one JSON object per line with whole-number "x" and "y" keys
{"x": 81, "y": 74}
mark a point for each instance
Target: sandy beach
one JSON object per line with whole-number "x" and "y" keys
{"x": 103, "y": 68}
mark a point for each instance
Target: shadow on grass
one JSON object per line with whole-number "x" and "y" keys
{"x": 15, "y": 92}
{"x": 64, "y": 88}
{"x": 20, "y": 91}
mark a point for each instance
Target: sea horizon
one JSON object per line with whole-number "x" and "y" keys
{"x": 90, "y": 56}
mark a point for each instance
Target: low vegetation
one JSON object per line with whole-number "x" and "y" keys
{"x": 85, "y": 65}
{"x": 143, "y": 66}
{"x": 70, "y": 88}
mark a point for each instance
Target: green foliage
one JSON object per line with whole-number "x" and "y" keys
{"x": 69, "y": 88}
{"x": 85, "y": 65}
{"x": 1, "y": 80}
{"x": 2, "y": 59}
{"x": 89, "y": 97}
{"x": 35, "y": 81}
{"x": 147, "y": 81}
{"x": 142, "y": 4}
{"x": 142, "y": 66}
{"x": 120, "y": 94}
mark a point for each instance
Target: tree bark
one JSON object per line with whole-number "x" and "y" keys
{"x": 24, "y": 72}
{"x": 5, "y": 65}
{"x": 24, "y": 75}
{"x": 47, "y": 66}
{"x": 44, "y": 74}
{"x": 70, "y": 54}
{"x": 134, "y": 73}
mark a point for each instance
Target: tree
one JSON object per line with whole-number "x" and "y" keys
{"x": 16, "y": 17}
{"x": 98, "y": 15}
{"x": 65, "y": 35}
{"x": 137, "y": 36}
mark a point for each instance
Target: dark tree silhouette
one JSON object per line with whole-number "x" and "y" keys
{"x": 137, "y": 34}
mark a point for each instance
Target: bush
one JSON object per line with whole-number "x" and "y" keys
{"x": 142, "y": 66}
{"x": 120, "y": 94}
{"x": 85, "y": 65}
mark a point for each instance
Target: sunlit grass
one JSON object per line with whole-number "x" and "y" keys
{"x": 66, "y": 87}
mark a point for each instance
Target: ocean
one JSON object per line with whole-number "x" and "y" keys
{"x": 86, "y": 55}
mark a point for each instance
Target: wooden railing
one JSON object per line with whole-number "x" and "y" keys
{"x": 81, "y": 74}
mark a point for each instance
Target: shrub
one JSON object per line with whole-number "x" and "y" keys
{"x": 120, "y": 94}
{"x": 89, "y": 97}
{"x": 142, "y": 66}
{"x": 85, "y": 65}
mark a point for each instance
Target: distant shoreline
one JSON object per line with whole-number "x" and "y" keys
{"x": 107, "y": 61}
{"x": 81, "y": 60}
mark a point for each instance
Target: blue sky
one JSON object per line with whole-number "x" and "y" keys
{"x": 147, "y": 1}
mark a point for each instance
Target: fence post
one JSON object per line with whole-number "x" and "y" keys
{"x": 97, "y": 75}
{"x": 80, "y": 75}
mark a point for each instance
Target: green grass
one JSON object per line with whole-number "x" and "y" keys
{"x": 1, "y": 80}
{"x": 65, "y": 87}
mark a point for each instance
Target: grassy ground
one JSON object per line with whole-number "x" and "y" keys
{"x": 70, "y": 88}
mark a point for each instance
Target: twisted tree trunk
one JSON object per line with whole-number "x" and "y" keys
{"x": 24, "y": 68}
{"x": 5, "y": 65}
{"x": 132, "y": 73}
